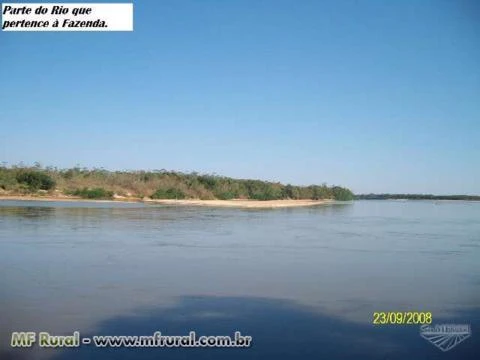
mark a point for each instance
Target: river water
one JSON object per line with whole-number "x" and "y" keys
{"x": 303, "y": 282}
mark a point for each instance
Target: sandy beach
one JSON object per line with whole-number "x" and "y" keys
{"x": 238, "y": 203}
{"x": 243, "y": 203}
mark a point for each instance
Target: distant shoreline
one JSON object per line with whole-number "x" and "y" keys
{"x": 402, "y": 197}
{"x": 237, "y": 203}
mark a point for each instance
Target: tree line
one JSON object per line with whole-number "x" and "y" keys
{"x": 157, "y": 184}
{"x": 415, "y": 197}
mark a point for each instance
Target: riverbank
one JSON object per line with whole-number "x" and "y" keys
{"x": 159, "y": 184}
{"x": 236, "y": 203}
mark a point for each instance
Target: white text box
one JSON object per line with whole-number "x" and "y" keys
{"x": 67, "y": 17}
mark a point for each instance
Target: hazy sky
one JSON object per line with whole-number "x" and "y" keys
{"x": 378, "y": 96}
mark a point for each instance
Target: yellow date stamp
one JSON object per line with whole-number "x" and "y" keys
{"x": 402, "y": 317}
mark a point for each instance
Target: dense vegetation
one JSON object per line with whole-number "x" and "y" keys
{"x": 95, "y": 193}
{"x": 415, "y": 197}
{"x": 159, "y": 184}
{"x": 35, "y": 180}
{"x": 170, "y": 193}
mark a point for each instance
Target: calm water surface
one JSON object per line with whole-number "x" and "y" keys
{"x": 303, "y": 282}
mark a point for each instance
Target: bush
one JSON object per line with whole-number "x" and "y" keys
{"x": 259, "y": 190}
{"x": 96, "y": 193}
{"x": 342, "y": 194}
{"x": 35, "y": 180}
{"x": 170, "y": 193}
{"x": 227, "y": 195}
{"x": 209, "y": 181}
{"x": 7, "y": 179}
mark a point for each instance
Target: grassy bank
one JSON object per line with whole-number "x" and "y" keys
{"x": 162, "y": 184}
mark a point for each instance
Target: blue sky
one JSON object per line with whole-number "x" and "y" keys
{"x": 378, "y": 96}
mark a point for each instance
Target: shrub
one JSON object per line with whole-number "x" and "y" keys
{"x": 170, "y": 193}
{"x": 35, "y": 180}
{"x": 209, "y": 181}
{"x": 342, "y": 194}
{"x": 227, "y": 195}
{"x": 259, "y": 190}
{"x": 7, "y": 179}
{"x": 96, "y": 193}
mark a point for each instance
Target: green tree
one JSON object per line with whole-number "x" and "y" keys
{"x": 342, "y": 194}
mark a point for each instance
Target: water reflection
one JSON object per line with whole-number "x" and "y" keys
{"x": 280, "y": 330}
{"x": 27, "y": 212}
